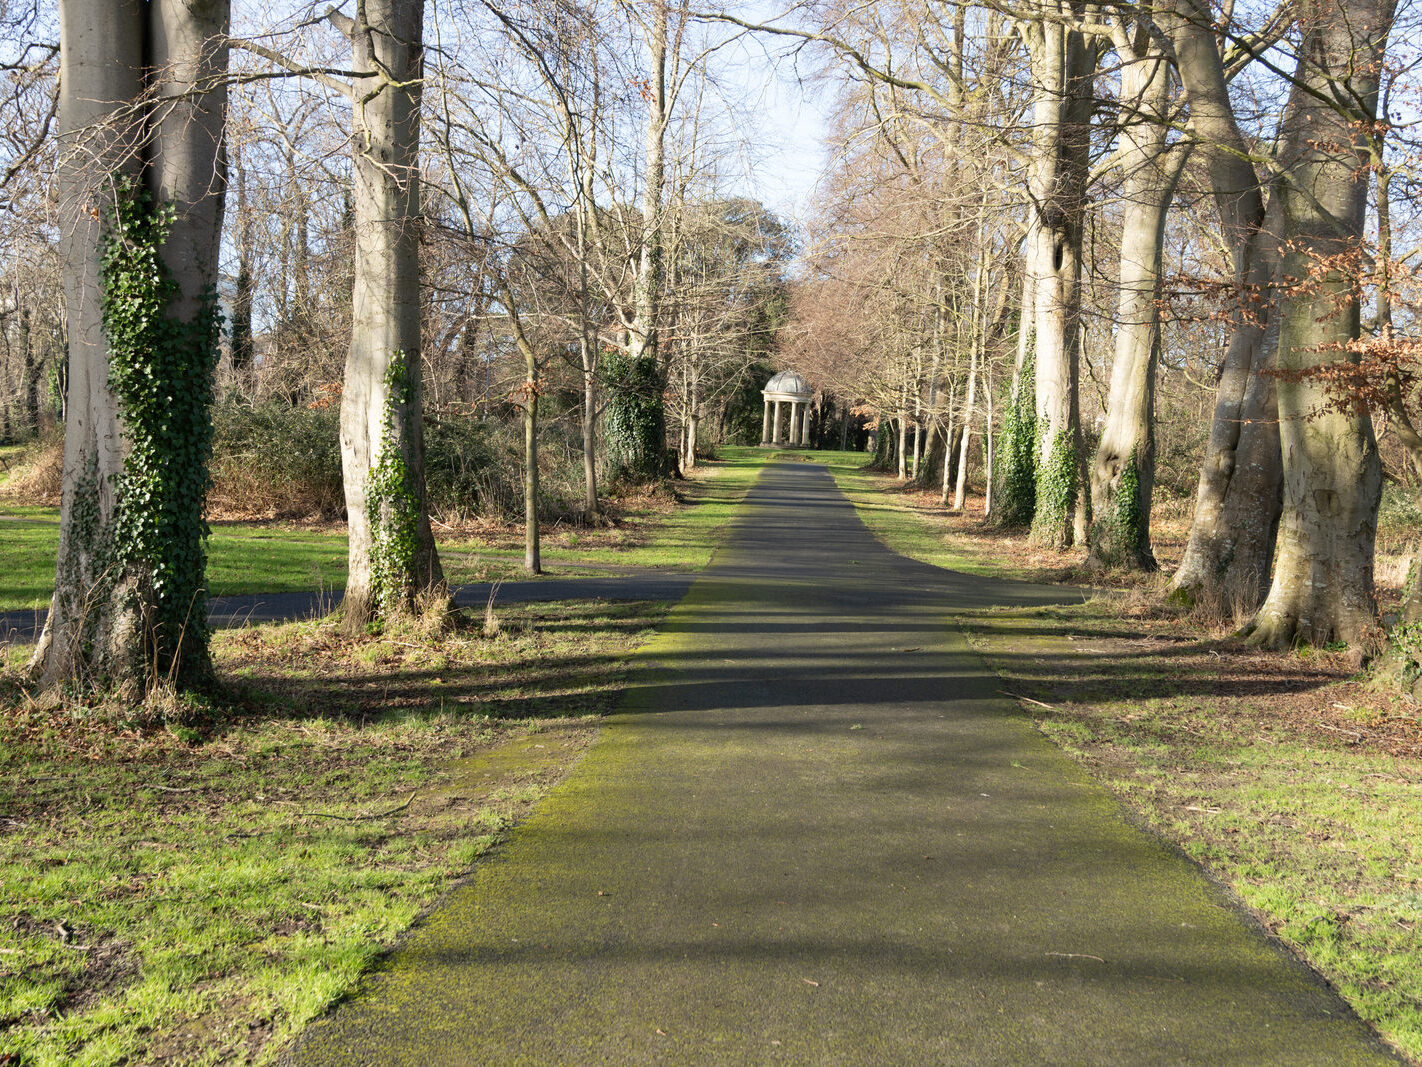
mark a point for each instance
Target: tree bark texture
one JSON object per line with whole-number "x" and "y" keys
{"x": 393, "y": 564}
{"x": 243, "y": 351}
{"x": 1123, "y": 472}
{"x": 1062, "y": 66}
{"x": 643, "y": 336}
{"x": 960, "y": 492}
{"x": 1230, "y": 548}
{"x": 591, "y": 505}
{"x": 142, "y": 97}
{"x": 1014, "y": 497}
{"x": 532, "y": 540}
{"x": 1322, "y": 589}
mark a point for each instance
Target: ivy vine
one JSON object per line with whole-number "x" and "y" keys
{"x": 392, "y": 501}
{"x": 1057, "y": 485}
{"x": 160, "y": 372}
{"x": 634, "y": 421}
{"x": 1015, "y": 498}
{"x": 1405, "y": 640}
{"x": 1120, "y": 536}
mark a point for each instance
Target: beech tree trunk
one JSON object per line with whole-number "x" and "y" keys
{"x": 393, "y": 565}
{"x": 241, "y": 335}
{"x": 591, "y": 505}
{"x": 643, "y": 335}
{"x": 1062, "y": 64}
{"x": 587, "y": 234}
{"x": 693, "y": 425}
{"x": 31, "y": 374}
{"x": 902, "y": 451}
{"x": 1231, "y": 543}
{"x": 107, "y": 623}
{"x": 977, "y": 354}
{"x": 960, "y": 493}
{"x": 1014, "y": 499}
{"x": 532, "y": 539}
{"x": 1322, "y": 589}
{"x": 1123, "y": 473}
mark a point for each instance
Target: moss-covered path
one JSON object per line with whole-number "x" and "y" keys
{"x": 816, "y": 833}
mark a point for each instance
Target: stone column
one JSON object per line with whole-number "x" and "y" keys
{"x": 795, "y": 421}
{"x": 775, "y": 425}
{"x": 765, "y": 425}
{"x": 804, "y": 423}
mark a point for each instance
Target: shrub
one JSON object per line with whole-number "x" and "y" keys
{"x": 1399, "y": 519}
{"x": 274, "y": 460}
{"x": 473, "y": 469}
{"x": 37, "y": 476}
{"x": 278, "y": 461}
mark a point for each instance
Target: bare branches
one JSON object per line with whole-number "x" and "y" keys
{"x": 329, "y": 77}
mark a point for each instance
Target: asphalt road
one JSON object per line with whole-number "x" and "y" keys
{"x": 815, "y": 833}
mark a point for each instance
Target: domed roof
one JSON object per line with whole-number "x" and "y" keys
{"x": 789, "y": 383}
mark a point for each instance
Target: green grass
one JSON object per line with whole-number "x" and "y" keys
{"x": 660, "y": 533}
{"x": 28, "y": 537}
{"x": 281, "y": 558}
{"x": 199, "y": 892}
{"x": 243, "y": 558}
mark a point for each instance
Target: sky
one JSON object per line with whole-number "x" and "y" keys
{"x": 786, "y": 155}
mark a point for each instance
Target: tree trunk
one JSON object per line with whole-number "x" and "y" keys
{"x": 242, "y": 350}
{"x": 642, "y": 342}
{"x": 532, "y": 558}
{"x": 589, "y": 420}
{"x": 902, "y": 451}
{"x": 1016, "y": 472}
{"x": 1231, "y": 541}
{"x": 960, "y": 493}
{"x": 1062, "y": 64}
{"x": 129, "y": 605}
{"x": 393, "y": 565}
{"x": 882, "y": 451}
{"x": 92, "y": 631}
{"x": 1322, "y": 589}
{"x": 1123, "y": 473}
{"x": 587, "y": 235}
{"x": 31, "y": 375}
{"x": 693, "y": 423}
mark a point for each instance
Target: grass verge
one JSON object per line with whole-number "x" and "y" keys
{"x": 242, "y": 558}
{"x": 196, "y": 890}
{"x": 673, "y": 529}
{"x": 1284, "y": 775}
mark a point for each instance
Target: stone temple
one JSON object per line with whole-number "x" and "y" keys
{"x": 786, "y": 389}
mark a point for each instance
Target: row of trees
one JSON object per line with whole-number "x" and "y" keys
{"x": 1144, "y": 193}
{"x": 453, "y": 196}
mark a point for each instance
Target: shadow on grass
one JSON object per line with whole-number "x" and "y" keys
{"x": 545, "y": 661}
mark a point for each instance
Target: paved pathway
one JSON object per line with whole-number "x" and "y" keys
{"x": 815, "y": 834}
